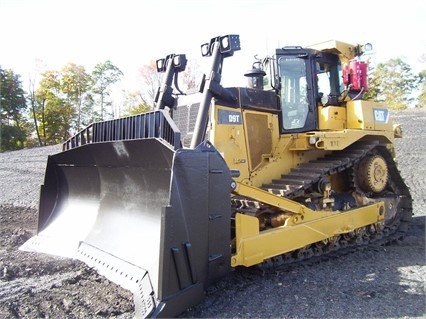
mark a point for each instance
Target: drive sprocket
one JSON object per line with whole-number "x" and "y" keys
{"x": 372, "y": 174}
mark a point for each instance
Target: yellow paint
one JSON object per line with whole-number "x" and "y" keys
{"x": 254, "y": 246}
{"x": 332, "y": 118}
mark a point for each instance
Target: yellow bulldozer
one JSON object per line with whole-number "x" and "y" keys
{"x": 292, "y": 166}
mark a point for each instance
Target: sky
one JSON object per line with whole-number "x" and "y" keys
{"x": 130, "y": 34}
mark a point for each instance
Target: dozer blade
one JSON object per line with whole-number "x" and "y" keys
{"x": 150, "y": 218}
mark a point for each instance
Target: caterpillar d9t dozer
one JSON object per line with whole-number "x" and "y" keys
{"x": 292, "y": 166}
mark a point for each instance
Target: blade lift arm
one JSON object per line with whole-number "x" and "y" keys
{"x": 219, "y": 48}
{"x": 171, "y": 65}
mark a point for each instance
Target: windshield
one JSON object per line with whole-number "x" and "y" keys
{"x": 294, "y": 99}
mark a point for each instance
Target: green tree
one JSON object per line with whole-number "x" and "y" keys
{"x": 54, "y": 113}
{"x": 10, "y": 134}
{"x": 61, "y": 103}
{"x": 12, "y": 111}
{"x": 392, "y": 82}
{"x": 58, "y": 117}
{"x": 31, "y": 97}
{"x": 104, "y": 76}
{"x": 75, "y": 83}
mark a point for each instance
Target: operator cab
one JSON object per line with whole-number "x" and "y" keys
{"x": 305, "y": 79}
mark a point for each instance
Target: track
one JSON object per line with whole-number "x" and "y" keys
{"x": 304, "y": 176}
{"x": 304, "y": 179}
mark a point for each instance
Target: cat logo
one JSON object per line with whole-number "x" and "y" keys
{"x": 381, "y": 115}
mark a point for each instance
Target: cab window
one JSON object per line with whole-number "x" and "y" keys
{"x": 294, "y": 100}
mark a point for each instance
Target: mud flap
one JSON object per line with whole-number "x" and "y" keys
{"x": 151, "y": 219}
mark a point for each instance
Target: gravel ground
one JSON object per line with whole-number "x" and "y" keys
{"x": 375, "y": 282}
